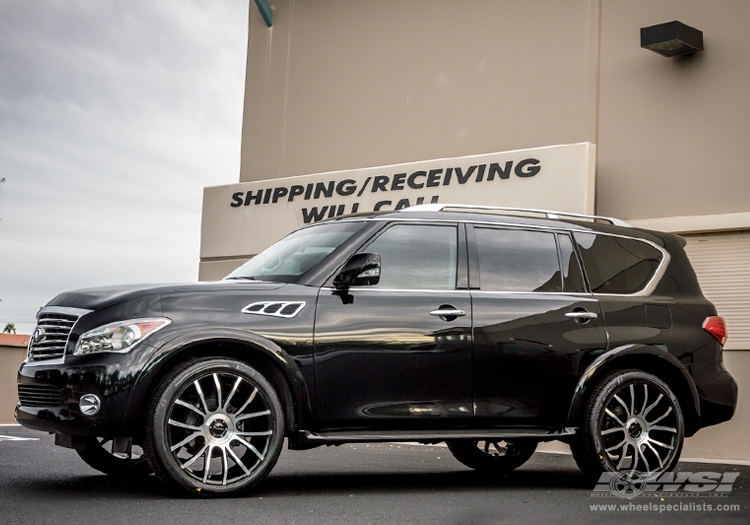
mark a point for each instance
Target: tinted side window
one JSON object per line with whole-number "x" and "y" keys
{"x": 571, "y": 270}
{"x": 617, "y": 265}
{"x": 417, "y": 257}
{"x": 516, "y": 260}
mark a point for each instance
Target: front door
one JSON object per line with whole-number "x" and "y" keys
{"x": 385, "y": 355}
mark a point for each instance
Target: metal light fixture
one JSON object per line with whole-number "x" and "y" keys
{"x": 265, "y": 11}
{"x": 672, "y": 39}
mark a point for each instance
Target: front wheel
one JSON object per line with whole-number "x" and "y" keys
{"x": 633, "y": 423}
{"x": 496, "y": 457}
{"x": 98, "y": 454}
{"x": 215, "y": 428}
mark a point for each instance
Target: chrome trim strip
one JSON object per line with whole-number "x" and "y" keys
{"x": 44, "y": 362}
{"x": 391, "y": 290}
{"x": 437, "y": 435}
{"x": 549, "y": 214}
{"x": 655, "y": 279}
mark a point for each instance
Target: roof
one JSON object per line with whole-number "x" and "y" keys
{"x": 17, "y": 340}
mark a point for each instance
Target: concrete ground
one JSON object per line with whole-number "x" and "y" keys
{"x": 352, "y": 484}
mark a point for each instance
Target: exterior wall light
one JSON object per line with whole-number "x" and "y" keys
{"x": 672, "y": 39}
{"x": 265, "y": 11}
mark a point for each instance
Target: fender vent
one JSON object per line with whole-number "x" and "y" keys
{"x": 286, "y": 309}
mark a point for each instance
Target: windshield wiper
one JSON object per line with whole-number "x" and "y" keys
{"x": 240, "y": 277}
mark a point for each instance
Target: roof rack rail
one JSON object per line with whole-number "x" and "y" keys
{"x": 546, "y": 213}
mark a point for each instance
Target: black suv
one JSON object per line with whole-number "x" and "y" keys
{"x": 491, "y": 329}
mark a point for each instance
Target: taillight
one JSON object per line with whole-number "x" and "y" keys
{"x": 716, "y": 326}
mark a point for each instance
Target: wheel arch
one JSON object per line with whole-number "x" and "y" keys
{"x": 648, "y": 359}
{"x": 278, "y": 367}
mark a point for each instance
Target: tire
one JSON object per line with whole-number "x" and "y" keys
{"x": 97, "y": 453}
{"x": 215, "y": 428}
{"x": 492, "y": 457}
{"x": 632, "y": 423}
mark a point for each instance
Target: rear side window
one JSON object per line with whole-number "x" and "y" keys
{"x": 517, "y": 261}
{"x": 616, "y": 264}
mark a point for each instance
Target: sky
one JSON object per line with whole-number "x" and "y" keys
{"x": 114, "y": 115}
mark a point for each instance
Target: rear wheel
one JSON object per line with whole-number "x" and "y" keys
{"x": 215, "y": 427}
{"x": 496, "y": 457}
{"x": 98, "y": 454}
{"x": 633, "y": 424}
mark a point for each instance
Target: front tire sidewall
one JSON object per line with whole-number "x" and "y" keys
{"x": 162, "y": 460}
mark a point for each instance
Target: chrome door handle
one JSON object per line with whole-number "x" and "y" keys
{"x": 448, "y": 313}
{"x": 582, "y": 316}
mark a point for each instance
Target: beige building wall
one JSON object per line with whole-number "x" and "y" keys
{"x": 673, "y": 133}
{"x": 341, "y": 84}
{"x": 12, "y": 353}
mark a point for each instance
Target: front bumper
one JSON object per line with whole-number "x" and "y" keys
{"x": 110, "y": 377}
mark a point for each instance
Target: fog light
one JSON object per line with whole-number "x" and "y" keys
{"x": 90, "y": 404}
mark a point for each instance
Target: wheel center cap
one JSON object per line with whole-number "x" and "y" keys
{"x": 218, "y": 428}
{"x": 635, "y": 430}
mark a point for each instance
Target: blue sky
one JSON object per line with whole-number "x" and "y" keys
{"x": 113, "y": 117}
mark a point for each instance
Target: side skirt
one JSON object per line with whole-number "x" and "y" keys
{"x": 304, "y": 439}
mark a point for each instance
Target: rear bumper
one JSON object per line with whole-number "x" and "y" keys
{"x": 717, "y": 393}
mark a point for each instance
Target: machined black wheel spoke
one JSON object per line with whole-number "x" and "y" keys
{"x": 190, "y": 406}
{"x": 231, "y": 394}
{"x": 185, "y": 441}
{"x": 201, "y": 396}
{"x": 661, "y": 417}
{"x": 183, "y": 425}
{"x": 613, "y": 447}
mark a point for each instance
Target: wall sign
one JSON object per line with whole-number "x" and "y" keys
{"x": 242, "y": 219}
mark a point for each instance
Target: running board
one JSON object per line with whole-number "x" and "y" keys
{"x": 306, "y": 439}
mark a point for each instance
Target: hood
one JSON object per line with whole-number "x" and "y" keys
{"x": 101, "y": 297}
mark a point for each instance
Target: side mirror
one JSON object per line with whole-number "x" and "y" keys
{"x": 362, "y": 269}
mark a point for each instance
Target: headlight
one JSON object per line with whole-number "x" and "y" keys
{"x": 119, "y": 337}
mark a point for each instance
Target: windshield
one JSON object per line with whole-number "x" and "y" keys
{"x": 295, "y": 254}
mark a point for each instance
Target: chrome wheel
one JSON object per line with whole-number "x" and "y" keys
{"x": 216, "y": 428}
{"x": 639, "y": 429}
{"x": 632, "y": 424}
{"x": 219, "y": 429}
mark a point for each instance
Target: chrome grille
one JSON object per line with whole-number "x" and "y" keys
{"x": 39, "y": 396}
{"x": 51, "y": 335}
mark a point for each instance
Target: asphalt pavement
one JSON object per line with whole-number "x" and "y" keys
{"x": 351, "y": 484}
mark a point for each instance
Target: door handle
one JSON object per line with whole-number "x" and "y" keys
{"x": 582, "y": 316}
{"x": 446, "y": 312}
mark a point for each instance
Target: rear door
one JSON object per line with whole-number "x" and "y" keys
{"x": 536, "y": 326}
